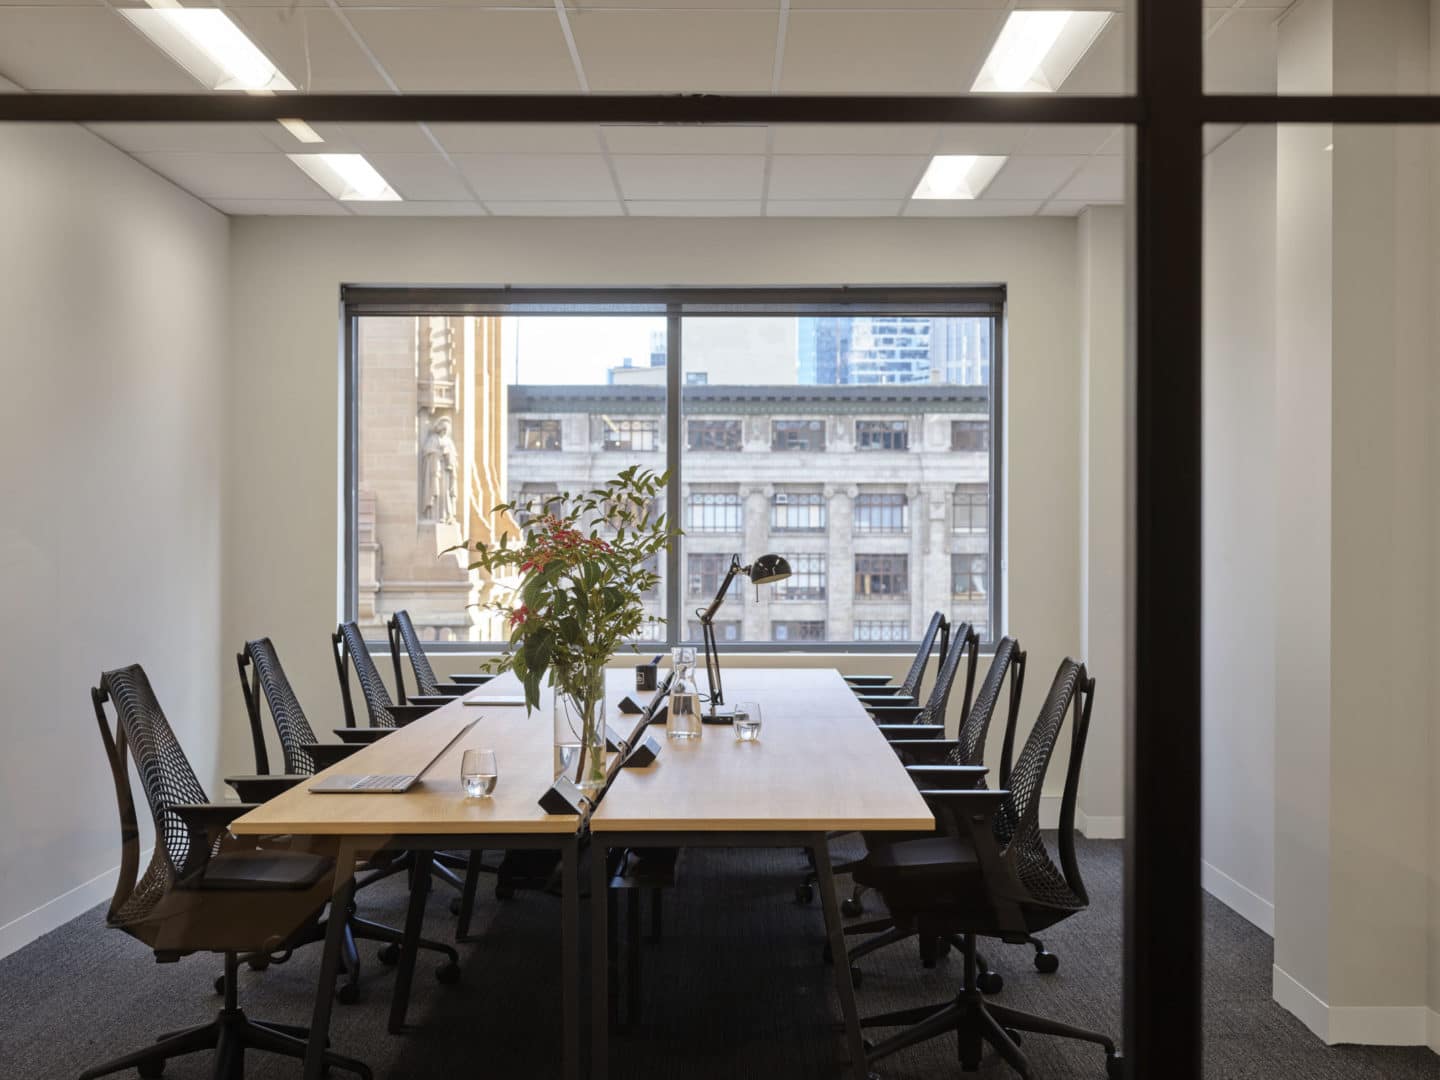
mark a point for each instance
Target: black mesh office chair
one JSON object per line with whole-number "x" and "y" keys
{"x": 990, "y": 874}
{"x": 403, "y": 636}
{"x": 262, "y": 674}
{"x": 203, "y": 891}
{"x": 967, "y": 748}
{"x": 879, "y": 687}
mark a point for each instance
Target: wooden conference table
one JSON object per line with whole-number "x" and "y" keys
{"x": 820, "y": 766}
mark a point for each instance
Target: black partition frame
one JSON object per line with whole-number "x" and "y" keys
{"x": 676, "y": 305}
{"x": 1168, "y": 111}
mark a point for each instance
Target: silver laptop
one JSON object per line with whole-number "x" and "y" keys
{"x": 381, "y": 783}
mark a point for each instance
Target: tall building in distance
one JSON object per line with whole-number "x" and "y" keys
{"x": 881, "y": 350}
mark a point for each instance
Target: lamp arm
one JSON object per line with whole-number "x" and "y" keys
{"x": 707, "y": 634}
{"x": 709, "y": 612}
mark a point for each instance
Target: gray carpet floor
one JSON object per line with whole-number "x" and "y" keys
{"x": 736, "y": 988}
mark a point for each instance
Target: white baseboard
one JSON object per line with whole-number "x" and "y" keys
{"x": 18, "y": 933}
{"x": 1385, "y": 1025}
{"x": 1244, "y": 902}
{"x": 1095, "y": 828}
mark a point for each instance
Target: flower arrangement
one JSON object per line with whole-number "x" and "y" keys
{"x": 582, "y": 564}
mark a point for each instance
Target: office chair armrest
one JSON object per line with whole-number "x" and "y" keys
{"x": 259, "y": 789}
{"x": 325, "y": 754}
{"x": 893, "y": 714}
{"x": 211, "y": 820}
{"x": 935, "y": 751}
{"x": 471, "y": 679}
{"x": 883, "y": 694}
{"x": 908, "y": 732}
{"x": 946, "y": 777}
{"x": 360, "y": 736}
{"x": 445, "y": 690}
{"x": 410, "y": 712}
{"x": 971, "y": 815}
{"x": 868, "y": 680}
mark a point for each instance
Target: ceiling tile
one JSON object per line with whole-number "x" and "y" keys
{"x": 468, "y": 49}
{"x": 447, "y": 208}
{"x": 555, "y": 209}
{"x": 372, "y": 139}
{"x": 1062, "y": 208}
{"x": 421, "y": 177}
{"x": 535, "y": 177}
{"x": 688, "y": 139}
{"x": 844, "y": 177}
{"x": 832, "y": 207}
{"x": 853, "y": 138}
{"x": 280, "y": 207}
{"x": 89, "y": 48}
{"x": 972, "y": 208}
{"x": 1240, "y": 56}
{"x": 1101, "y": 180}
{"x": 680, "y": 176}
{"x": 1032, "y": 177}
{"x": 518, "y": 138}
{"x": 676, "y": 51}
{"x": 1102, "y": 69}
{"x": 1215, "y": 134}
{"x": 982, "y": 139}
{"x": 214, "y": 138}
{"x": 694, "y": 208}
{"x": 311, "y": 46}
{"x": 880, "y": 51}
{"x": 1067, "y": 138}
{"x": 234, "y": 176}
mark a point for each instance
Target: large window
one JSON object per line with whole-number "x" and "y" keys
{"x": 821, "y": 430}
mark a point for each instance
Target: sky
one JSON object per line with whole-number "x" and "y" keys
{"x": 577, "y": 349}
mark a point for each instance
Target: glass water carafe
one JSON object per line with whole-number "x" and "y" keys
{"x": 684, "y": 721}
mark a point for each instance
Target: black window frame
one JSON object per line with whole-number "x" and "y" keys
{"x": 882, "y": 432}
{"x": 729, "y": 427}
{"x": 525, "y": 423}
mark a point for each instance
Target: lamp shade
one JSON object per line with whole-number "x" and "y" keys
{"x": 768, "y": 568}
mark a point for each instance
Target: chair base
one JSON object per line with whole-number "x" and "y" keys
{"x": 230, "y": 1034}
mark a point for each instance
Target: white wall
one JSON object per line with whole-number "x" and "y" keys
{"x": 282, "y": 513}
{"x": 112, "y": 339}
{"x": 1238, "y": 682}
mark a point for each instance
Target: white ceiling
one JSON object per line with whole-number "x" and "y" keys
{"x": 577, "y": 46}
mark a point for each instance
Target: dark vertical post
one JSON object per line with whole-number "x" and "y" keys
{"x": 1163, "y": 941}
{"x": 675, "y": 507}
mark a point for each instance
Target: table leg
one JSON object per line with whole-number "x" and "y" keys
{"x": 340, "y": 901}
{"x": 599, "y": 960}
{"x": 570, "y": 956}
{"x": 414, "y": 919}
{"x": 467, "y": 897}
{"x": 825, "y": 876}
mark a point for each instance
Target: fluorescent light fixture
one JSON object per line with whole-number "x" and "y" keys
{"x": 957, "y": 176}
{"x": 1037, "y": 50}
{"x": 302, "y": 131}
{"x": 347, "y": 177}
{"x": 206, "y": 43}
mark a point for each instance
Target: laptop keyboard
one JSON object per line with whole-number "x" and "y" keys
{"x": 381, "y": 782}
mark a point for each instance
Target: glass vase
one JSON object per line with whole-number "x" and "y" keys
{"x": 580, "y": 729}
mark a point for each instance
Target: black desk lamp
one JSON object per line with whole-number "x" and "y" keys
{"x": 763, "y": 571}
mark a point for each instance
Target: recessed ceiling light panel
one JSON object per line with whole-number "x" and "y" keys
{"x": 1037, "y": 50}
{"x": 301, "y": 131}
{"x": 958, "y": 176}
{"x": 347, "y": 177}
{"x": 206, "y": 43}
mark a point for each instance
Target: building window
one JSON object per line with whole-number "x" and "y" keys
{"x": 969, "y": 576}
{"x": 725, "y": 630}
{"x": 880, "y": 512}
{"x": 715, "y": 511}
{"x": 806, "y": 580}
{"x": 970, "y": 435}
{"x": 881, "y": 576}
{"x": 797, "y": 435}
{"x": 882, "y": 435}
{"x": 704, "y": 572}
{"x": 798, "y": 511}
{"x": 534, "y": 500}
{"x": 972, "y": 508}
{"x": 798, "y": 630}
{"x": 539, "y": 435}
{"x": 882, "y": 630}
{"x": 641, "y": 436}
{"x": 713, "y": 435}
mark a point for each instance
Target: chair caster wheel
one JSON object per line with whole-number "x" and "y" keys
{"x": 1115, "y": 1067}
{"x": 804, "y": 894}
{"x": 1013, "y": 1036}
{"x": 989, "y": 982}
{"x": 851, "y": 908}
{"x": 856, "y": 977}
{"x": 389, "y": 955}
{"x": 347, "y": 993}
{"x": 504, "y": 892}
{"x": 152, "y": 1068}
{"x": 448, "y": 974}
{"x": 455, "y": 905}
{"x": 219, "y": 989}
{"x": 1047, "y": 963}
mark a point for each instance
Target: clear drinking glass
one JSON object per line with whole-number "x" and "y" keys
{"x": 747, "y": 721}
{"x": 478, "y": 773}
{"x": 684, "y": 720}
